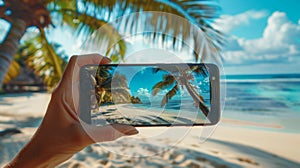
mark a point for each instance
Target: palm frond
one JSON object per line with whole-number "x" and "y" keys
{"x": 201, "y": 13}
{"x": 169, "y": 95}
{"x": 44, "y": 59}
{"x": 13, "y": 72}
{"x": 165, "y": 27}
{"x": 87, "y": 26}
{"x": 168, "y": 81}
{"x": 199, "y": 70}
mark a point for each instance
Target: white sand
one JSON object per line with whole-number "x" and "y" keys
{"x": 121, "y": 113}
{"x": 231, "y": 145}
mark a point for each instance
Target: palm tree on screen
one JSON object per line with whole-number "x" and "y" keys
{"x": 84, "y": 17}
{"x": 110, "y": 87}
{"x": 177, "y": 78}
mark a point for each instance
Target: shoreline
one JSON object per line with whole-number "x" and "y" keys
{"x": 233, "y": 143}
{"x": 230, "y": 121}
{"x": 250, "y": 123}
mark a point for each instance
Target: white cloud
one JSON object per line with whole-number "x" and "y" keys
{"x": 163, "y": 92}
{"x": 143, "y": 92}
{"x": 279, "y": 42}
{"x": 280, "y": 35}
{"x": 227, "y": 22}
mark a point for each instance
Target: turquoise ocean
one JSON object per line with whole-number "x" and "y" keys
{"x": 267, "y": 99}
{"x": 270, "y": 102}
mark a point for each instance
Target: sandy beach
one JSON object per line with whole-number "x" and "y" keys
{"x": 136, "y": 115}
{"x": 234, "y": 143}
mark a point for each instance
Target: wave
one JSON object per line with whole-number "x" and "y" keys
{"x": 260, "y": 80}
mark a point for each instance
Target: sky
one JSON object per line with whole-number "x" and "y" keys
{"x": 141, "y": 81}
{"x": 262, "y": 36}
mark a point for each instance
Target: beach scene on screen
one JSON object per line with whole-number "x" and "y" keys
{"x": 150, "y": 95}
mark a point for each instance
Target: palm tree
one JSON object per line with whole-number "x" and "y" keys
{"x": 110, "y": 86}
{"x": 180, "y": 77}
{"x": 85, "y": 16}
{"x": 29, "y": 57}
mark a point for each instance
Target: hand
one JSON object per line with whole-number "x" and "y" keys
{"x": 61, "y": 133}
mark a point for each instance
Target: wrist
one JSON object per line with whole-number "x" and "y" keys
{"x": 34, "y": 156}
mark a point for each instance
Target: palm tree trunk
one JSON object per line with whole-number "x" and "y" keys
{"x": 196, "y": 98}
{"x": 9, "y": 47}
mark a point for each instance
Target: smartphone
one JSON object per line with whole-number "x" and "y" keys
{"x": 150, "y": 94}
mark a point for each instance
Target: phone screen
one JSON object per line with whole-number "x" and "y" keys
{"x": 149, "y": 95}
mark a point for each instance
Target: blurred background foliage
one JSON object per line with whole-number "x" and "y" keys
{"x": 47, "y": 59}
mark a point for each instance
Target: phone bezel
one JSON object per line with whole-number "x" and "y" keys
{"x": 214, "y": 75}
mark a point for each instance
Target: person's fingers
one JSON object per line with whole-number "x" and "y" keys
{"x": 91, "y": 59}
{"x": 71, "y": 73}
{"x": 70, "y": 79}
{"x": 109, "y": 132}
{"x": 125, "y": 129}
